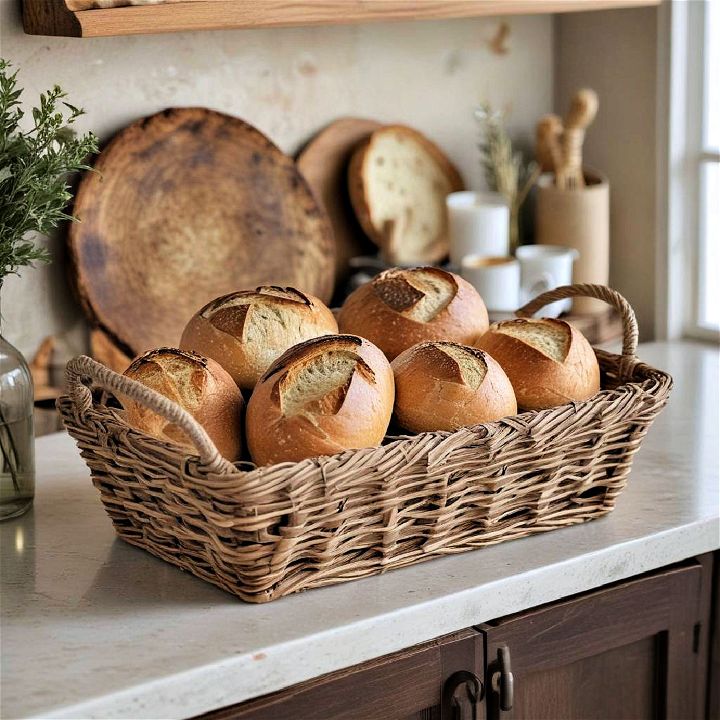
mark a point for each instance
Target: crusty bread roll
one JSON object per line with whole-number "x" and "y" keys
{"x": 445, "y": 386}
{"x": 200, "y": 386}
{"x": 247, "y": 330}
{"x": 398, "y": 181}
{"x": 548, "y": 362}
{"x": 321, "y": 397}
{"x": 401, "y": 308}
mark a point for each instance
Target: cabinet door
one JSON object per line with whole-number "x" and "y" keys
{"x": 628, "y": 650}
{"x": 404, "y": 686}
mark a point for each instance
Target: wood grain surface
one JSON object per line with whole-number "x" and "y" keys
{"x": 406, "y": 685}
{"x": 104, "y": 350}
{"x": 624, "y": 651}
{"x": 78, "y": 18}
{"x": 187, "y": 205}
{"x": 323, "y": 162}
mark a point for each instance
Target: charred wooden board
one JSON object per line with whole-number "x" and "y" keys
{"x": 187, "y": 205}
{"x": 324, "y": 162}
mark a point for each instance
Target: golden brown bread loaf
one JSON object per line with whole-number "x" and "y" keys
{"x": 548, "y": 361}
{"x": 401, "y": 308}
{"x": 247, "y": 330}
{"x": 445, "y": 386}
{"x": 321, "y": 397}
{"x": 398, "y": 181}
{"x": 200, "y": 386}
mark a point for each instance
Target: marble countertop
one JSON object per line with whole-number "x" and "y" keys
{"x": 94, "y": 628}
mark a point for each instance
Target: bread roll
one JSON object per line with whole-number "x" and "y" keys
{"x": 398, "y": 181}
{"x": 444, "y": 386}
{"x": 247, "y": 330}
{"x": 321, "y": 397}
{"x": 197, "y": 384}
{"x": 401, "y": 308}
{"x": 548, "y": 362}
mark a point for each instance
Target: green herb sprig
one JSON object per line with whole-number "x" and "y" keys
{"x": 34, "y": 166}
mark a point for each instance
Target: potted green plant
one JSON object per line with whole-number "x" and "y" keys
{"x": 36, "y": 158}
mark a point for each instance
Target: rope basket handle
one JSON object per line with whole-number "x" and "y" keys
{"x": 611, "y": 297}
{"x": 79, "y": 369}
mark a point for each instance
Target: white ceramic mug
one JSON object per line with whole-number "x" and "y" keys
{"x": 497, "y": 279}
{"x": 478, "y": 224}
{"x": 545, "y": 267}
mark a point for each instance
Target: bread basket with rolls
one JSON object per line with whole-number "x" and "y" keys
{"x": 358, "y": 503}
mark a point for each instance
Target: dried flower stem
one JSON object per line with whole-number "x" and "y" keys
{"x": 505, "y": 171}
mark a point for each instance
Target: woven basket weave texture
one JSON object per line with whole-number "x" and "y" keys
{"x": 262, "y": 533}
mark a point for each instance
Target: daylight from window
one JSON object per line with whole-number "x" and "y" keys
{"x": 709, "y": 309}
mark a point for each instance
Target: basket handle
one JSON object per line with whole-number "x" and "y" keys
{"x": 82, "y": 367}
{"x": 612, "y": 297}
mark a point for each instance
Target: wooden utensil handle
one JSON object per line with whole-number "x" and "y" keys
{"x": 573, "y": 139}
{"x": 82, "y": 368}
{"x": 547, "y": 146}
{"x": 583, "y": 108}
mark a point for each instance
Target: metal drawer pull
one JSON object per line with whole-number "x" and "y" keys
{"x": 502, "y": 681}
{"x": 451, "y": 708}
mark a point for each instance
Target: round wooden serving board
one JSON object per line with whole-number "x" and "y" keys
{"x": 324, "y": 162}
{"x": 187, "y": 205}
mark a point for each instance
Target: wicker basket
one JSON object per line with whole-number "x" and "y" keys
{"x": 262, "y": 533}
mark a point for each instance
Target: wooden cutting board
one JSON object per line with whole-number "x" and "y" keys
{"x": 104, "y": 350}
{"x": 187, "y": 205}
{"x": 323, "y": 162}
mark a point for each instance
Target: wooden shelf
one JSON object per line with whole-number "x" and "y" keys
{"x": 82, "y": 18}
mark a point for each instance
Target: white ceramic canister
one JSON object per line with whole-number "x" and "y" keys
{"x": 478, "y": 224}
{"x": 545, "y": 267}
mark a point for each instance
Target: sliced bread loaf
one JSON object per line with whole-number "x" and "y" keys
{"x": 398, "y": 181}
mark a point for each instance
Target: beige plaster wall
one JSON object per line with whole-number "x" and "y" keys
{"x": 287, "y": 82}
{"x": 614, "y": 52}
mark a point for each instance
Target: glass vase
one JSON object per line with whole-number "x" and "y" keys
{"x": 17, "y": 445}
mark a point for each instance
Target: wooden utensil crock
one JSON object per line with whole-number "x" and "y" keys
{"x": 578, "y": 219}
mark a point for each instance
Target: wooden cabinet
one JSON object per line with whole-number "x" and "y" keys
{"x": 405, "y": 686}
{"x": 628, "y": 651}
{"x": 636, "y": 649}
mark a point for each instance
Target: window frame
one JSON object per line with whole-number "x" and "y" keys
{"x": 680, "y": 160}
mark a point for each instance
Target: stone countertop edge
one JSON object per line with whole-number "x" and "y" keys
{"x": 274, "y": 668}
{"x": 95, "y": 628}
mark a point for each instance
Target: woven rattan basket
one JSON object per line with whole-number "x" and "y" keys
{"x": 262, "y": 533}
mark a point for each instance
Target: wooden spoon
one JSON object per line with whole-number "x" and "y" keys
{"x": 582, "y": 112}
{"x": 547, "y": 143}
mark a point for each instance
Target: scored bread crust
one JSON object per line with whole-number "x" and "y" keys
{"x": 353, "y": 413}
{"x": 203, "y": 388}
{"x": 433, "y": 393}
{"x": 463, "y": 320}
{"x": 247, "y": 330}
{"x": 540, "y": 381}
{"x": 358, "y": 179}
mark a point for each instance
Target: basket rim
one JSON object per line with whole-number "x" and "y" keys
{"x": 248, "y": 470}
